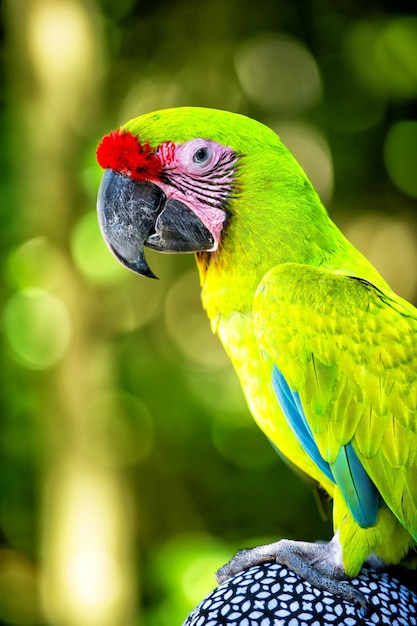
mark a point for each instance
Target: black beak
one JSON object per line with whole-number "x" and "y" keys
{"x": 133, "y": 214}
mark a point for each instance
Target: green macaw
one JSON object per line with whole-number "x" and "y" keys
{"x": 325, "y": 351}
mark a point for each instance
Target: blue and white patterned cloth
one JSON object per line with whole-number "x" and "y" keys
{"x": 271, "y": 595}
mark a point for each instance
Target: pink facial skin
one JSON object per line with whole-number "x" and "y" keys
{"x": 199, "y": 172}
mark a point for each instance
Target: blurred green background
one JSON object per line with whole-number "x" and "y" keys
{"x": 130, "y": 468}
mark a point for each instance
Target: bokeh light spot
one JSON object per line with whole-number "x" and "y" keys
{"x": 279, "y": 74}
{"x": 38, "y": 327}
{"x": 312, "y": 152}
{"x": 86, "y": 582}
{"x": 186, "y": 566}
{"x": 36, "y": 263}
{"x": 92, "y": 575}
{"x": 91, "y": 255}
{"x": 221, "y": 392}
{"x": 400, "y": 155}
{"x": 59, "y": 39}
{"x": 187, "y": 324}
{"x": 384, "y": 55}
{"x": 359, "y": 46}
{"x": 396, "y": 56}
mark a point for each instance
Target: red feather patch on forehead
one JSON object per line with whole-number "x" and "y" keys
{"x": 123, "y": 153}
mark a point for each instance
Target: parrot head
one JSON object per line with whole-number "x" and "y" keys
{"x": 177, "y": 179}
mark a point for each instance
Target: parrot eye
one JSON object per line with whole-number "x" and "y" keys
{"x": 201, "y": 156}
{"x": 198, "y": 156}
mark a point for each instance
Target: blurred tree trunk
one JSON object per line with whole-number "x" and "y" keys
{"x": 86, "y": 521}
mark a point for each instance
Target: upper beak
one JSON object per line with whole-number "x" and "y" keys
{"x": 133, "y": 214}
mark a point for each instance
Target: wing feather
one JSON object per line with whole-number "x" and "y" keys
{"x": 349, "y": 351}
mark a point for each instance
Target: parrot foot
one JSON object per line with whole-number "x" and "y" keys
{"x": 319, "y": 564}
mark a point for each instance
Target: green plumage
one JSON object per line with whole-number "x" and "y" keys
{"x": 344, "y": 346}
{"x": 285, "y": 289}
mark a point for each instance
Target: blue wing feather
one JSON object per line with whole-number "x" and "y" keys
{"x": 359, "y": 492}
{"x": 292, "y": 409}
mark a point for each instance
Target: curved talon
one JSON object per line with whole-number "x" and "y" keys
{"x": 318, "y": 564}
{"x": 353, "y": 595}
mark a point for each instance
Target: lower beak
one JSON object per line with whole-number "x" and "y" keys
{"x": 133, "y": 214}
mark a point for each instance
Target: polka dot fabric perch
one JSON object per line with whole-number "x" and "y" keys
{"x": 271, "y": 595}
